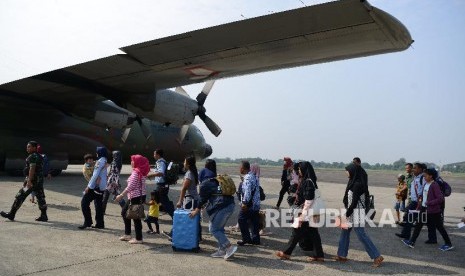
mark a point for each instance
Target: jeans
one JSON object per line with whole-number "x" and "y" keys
{"x": 137, "y": 222}
{"x": 95, "y": 196}
{"x": 344, "y": 242}
{"x": 409, "y": 219}
{"x": 308, "y": 235}
{"x": 218, "y": 220}
{"x": 244, "y": 217}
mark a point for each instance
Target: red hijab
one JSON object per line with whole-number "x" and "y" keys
{"x": 287, "y": 162}
{"x": 141, "y": 165}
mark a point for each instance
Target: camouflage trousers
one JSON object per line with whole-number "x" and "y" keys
{"x": 38, "y": 188}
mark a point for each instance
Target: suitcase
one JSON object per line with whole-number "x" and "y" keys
{"x": 185, "y": 236}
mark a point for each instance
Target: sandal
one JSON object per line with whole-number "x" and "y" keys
{"x": 316, "y": 259}
{"x": 340, "y": 259}
{"x": 377, "y": 262}
{"x": 283, "y": 256}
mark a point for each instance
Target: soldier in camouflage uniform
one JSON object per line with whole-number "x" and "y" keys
{"x": 34, "y": 182}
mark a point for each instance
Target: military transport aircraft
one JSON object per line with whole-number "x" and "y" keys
{"x": 124, "y": 102}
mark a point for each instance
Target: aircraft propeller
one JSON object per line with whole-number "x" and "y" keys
{"x": 201, "y": 111}
{"x": 145, "y": 130}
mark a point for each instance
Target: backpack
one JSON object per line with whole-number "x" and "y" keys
{"x": 444, "y": 186}
{"x": 171, "y": 173}
{"x": 262, "y": 194}
{"x": 371, "y": 206}
{"x": 228, "y": 188}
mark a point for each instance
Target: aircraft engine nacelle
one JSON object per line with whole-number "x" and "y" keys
{"x": 169, "y": 108}
{"x": 112, "y": 119}
{"x": 106, "y": 114}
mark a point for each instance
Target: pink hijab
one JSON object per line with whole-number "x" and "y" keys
{"x": 255, "y": 169}
{"x": 141, "y": 165}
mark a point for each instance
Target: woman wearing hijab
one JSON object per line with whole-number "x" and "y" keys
{"x": 356, "y": 201}
{"x": 219, "y": 209}
{"x": 286, "y": 177}
{"x": 94, "y": 192}
{"x": 113, "y": 186}
{"x": 136, "y": 195}
{"x": 305, "y": 232}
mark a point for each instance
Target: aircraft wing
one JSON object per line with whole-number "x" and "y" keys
{"x": 310, "y": 35}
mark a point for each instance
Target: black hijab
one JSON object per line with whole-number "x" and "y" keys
{"x": 356, "y": 176}
{"x": 307, "y": 171}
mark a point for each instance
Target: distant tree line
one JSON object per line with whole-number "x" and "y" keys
{"x": 398, "y": 165}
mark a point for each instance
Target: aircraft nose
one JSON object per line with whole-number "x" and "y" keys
{"x": 208, "y": 151}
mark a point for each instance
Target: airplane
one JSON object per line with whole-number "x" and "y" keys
{"x": 126, "y": 101}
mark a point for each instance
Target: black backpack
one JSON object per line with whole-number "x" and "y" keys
{"x": 172, "y": 172}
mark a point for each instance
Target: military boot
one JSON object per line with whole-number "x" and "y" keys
{"x": 43, "y": 216}
{"x": 7, "y": 215}
{"x": 10, "y": 215}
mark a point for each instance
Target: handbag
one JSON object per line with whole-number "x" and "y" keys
{"x": 318, "y": 206}
{"x": 136, "y": 211}
{"x": 371, "y": 206}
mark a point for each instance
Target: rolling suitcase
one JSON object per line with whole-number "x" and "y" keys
{"x": 185, "y": 235}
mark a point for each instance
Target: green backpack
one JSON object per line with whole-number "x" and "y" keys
{"x": 227, "y": 185}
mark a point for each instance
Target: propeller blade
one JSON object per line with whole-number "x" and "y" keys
{"x": 205, "y": 91}
{"x": 125, "y": 135}
{"x": 182, "y": 133}
{"x": 208, "y": 87}
{"x": 181, "y": 90}
{"x": 145, "y": 130}
{"x": 212, "y": 126}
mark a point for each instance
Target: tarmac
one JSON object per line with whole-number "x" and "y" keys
{"x": 58, "y": 247}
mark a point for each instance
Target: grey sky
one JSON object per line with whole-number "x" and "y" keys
{"x": 381, "y": 108}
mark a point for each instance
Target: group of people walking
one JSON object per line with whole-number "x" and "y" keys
{"x": 425, "y": 193}
{"x": 201, "y": 189}
{"x": 301, "y": 183}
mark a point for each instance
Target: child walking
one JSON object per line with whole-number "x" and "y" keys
{"x": 401, "y": 196}
{"x": 152, "y": 217}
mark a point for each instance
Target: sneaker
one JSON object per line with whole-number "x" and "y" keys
{"x": 446, "y": 247}
{"x": 218, "y": 254}
{"x": 409, "y": 243}
{"x": 134, "y": 241}
{"x": 167, "y": 234}
{"x": 125, "y": 238}
{"x": 230, "y": 251}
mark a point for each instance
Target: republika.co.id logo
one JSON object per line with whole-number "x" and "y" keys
{"x": 328, "y": 218}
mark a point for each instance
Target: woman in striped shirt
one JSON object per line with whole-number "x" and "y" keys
{"x": 136, "y": 195}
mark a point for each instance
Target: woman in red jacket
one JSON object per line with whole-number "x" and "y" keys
{"x": 431, "y": 205}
